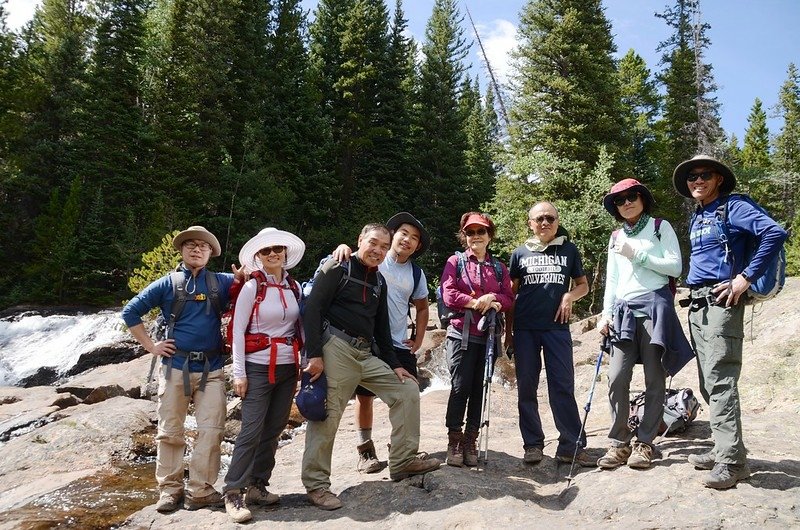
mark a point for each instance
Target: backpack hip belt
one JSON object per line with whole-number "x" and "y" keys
{"x": 196, "y": 355}
{"x": 261, "y": 341}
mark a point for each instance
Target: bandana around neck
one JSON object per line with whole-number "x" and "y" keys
{"x": 638, "y": 227}
{"x": 533, "y": 244}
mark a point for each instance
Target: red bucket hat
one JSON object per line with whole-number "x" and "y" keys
{"x": 621, "y": 187}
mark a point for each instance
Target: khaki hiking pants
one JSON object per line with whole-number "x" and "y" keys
{"x": 209, "y": 407}
{"x": 345, "y": 368}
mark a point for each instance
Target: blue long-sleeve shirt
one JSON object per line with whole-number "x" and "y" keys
{"x": 707, "y": 261}
{"x": 198, "y": 328}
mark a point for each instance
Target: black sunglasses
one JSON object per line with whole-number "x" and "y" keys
{"x": 478, "y": 232}
{"x": 619, "y": 200}
{"x": 277, "y": 249}
{"x": 542, "y": 218}
{"x": 705, "y": 175}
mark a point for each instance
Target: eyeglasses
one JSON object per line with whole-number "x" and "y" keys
{"x": 202, "y": 245}
{"x": 478, "y": 232}
{"x": 619, "y": 200}
{"x": 277, "y": 249}
{"x": 705, "y": 175}
{"x": 542, "y": 218}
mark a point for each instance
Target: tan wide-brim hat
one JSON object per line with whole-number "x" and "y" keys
{"x": 198, "y": 232}
{"x": 683, "y": 169}
{"x": 269, "y": 237}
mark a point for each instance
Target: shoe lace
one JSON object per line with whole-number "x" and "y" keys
{"x": 236, "y": 501}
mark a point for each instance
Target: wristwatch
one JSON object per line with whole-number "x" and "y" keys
{"x": 746, "y": 277}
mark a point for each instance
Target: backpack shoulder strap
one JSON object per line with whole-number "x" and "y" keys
{"x": 498, "y": 269}
{"x": 178, "y": 280}
{"x": 416, "y": 270}
{"x": 658, "y": 227}
{"x": 213, "y": 291}
{"x": 261, "y": 285}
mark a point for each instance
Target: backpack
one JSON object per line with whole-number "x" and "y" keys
{"x": 446, "y": 314}
{"x": 309, "y": 285}
{"x": 416, "y": 271}
{"x": 771, "y": 282}
{"x": 166, "y": 325}
{"x": 680, "y": 410}
{"x": 673, "y": 281}
{"x": 254, "y": 341}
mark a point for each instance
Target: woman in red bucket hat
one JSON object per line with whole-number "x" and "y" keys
{"x": 639, "y": 313}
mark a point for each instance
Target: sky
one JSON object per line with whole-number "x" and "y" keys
{"x": 752, "y": 42}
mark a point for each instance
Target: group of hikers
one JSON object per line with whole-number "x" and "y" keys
{"x": 351, "y": 331}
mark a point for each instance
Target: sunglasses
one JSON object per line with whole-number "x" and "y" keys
{"x": 277, "y": 249}
{"x": 478, "y": 232}
{"x": 542, "y": 218}
{"x": 619, "y": 200}
{"x": 705, "y": 175}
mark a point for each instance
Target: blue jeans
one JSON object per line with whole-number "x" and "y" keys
{"x": 557, "y": 347}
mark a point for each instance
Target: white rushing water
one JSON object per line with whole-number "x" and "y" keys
{"x": 30, "y": 341}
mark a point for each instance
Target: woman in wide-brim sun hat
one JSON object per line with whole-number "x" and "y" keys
{"x": 639, "y": 313}
{"x": 267, "y": 309}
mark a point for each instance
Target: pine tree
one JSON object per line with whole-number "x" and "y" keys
{"x": 567, "y": 95}
{"x": 441, "y": 143}
{"x": 481, "y": 150}
{"x": 787, "y": 143}
{"x": 641, "y": 105}
{"x": 691, "y": 112}
{"x": 755, "y": 153}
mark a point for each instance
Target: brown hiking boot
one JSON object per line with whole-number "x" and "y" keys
{"x": 236, "y": 508}
{"x": 324, "y": 499}
{"x": 169, "y": 502}
{"x": 615, "y": 457}
{"x": 641, "y": 457}
{"x": 533, "y": 455}
{"x": 455, "y": 451}
{"x": 703, "y": 461}
{"x": 418, "y": 466}
{"x": 212, "y": 500}
{"x": 583, "y": 459}
{"x": 470, "y": 449}
{"x": 258, "y": 494}
{"x": 367, "y": 458}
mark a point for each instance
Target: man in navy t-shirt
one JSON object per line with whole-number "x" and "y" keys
{"x": 547, "y": 277}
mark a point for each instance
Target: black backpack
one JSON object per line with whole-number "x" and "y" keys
{"x": 680, "y": 410}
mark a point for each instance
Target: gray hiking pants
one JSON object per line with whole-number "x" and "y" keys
{"x": 716, "y": 334}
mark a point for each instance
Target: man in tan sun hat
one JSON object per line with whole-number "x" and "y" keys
{"x": 191, "y": 301}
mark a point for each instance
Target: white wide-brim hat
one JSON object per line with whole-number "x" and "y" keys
{"x": 269, "y": 237}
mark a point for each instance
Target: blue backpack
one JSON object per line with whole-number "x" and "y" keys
{"x": 772, "y": 281}
{"x": 448, "y": 313}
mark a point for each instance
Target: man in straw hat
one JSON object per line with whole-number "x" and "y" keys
{"x": 718, "y": 279}
{"x": 346, "y": 314}
{"x": 192, "y": 349}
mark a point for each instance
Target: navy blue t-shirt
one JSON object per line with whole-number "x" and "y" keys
{"x": 543, "y": 277}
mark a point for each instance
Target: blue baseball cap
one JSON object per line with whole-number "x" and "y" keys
{"x": 313, "y": 397}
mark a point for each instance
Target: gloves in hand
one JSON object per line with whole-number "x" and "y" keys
{"x": 624, "y": 249}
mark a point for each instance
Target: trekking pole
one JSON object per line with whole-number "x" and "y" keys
{"x": 489, "y": 321}
{"x": 605, "y": 346}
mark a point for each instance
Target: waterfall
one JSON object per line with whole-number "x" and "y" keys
{"x": 30, "y": 341}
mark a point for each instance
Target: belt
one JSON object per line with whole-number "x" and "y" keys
{"x": 708, "y": 283}
{"x": 195, "y": 355}
{"x": 699, "y": 302}
{"x": 359, "y": 343}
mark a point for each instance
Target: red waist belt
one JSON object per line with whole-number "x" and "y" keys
{"x": 254, "y": 342}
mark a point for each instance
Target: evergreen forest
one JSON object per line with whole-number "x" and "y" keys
{"x": 125, "y": 120}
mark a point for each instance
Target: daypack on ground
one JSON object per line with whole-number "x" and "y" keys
{"x": 447, "y": 313}
{"x": 774, "y": 277}
{"x": 255, "y": 341}
{"x": 680, "y": 409}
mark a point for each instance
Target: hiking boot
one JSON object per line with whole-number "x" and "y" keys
{"x": 418, "y": 466}
{"x": 583, "y": 459}
{"x": 367, "y": 459}
{"x": 236, "y": 508}
{"x": 212, "y": 500}
{"x": 455, "y": 451}
{"x": 725, "y": 476}
{"x": 533, "y": 455}
{"x": 169, "y": 502}
{"x": 703, "y": 460}
{"x": 615, "y": 457}
{"x": 470, "y": 448}
{"x": 258, "y": 494}
{"x": 324, "y": 499}
{"x": 642, "y": 456}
